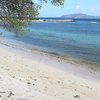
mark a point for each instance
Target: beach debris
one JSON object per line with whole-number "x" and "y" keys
{"x": 13, "y": 76}
{"x": 75, "y": 89}
{"x": 28, "y": 82}
{"x": 59, "y": 81}
{"x": 2, "y": 92}
{"x": 45, "y": 87}
{"x": 33, "y": 84}
{"x": 10, "y": 94}
{"x": 76, "y": 96}
{"x": 35, "y": 79}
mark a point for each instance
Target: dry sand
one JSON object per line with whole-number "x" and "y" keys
{"x": 38, "y": 77}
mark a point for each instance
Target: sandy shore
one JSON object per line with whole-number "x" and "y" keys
{"x": 53, "y": 20}
{"x": 35, "y": 75}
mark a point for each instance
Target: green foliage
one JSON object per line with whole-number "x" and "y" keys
{"x": 16, "y": 14}
{"x": 54, "y": 2}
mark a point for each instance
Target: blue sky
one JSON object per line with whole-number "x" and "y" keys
{"x": 91, "y": 7}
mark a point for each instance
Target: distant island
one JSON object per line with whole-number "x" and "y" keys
{"x": 81, "y": 16}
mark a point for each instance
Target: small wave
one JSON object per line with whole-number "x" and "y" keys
{"x": 93, "y": 22}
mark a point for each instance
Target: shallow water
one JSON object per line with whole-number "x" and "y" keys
{"x": 80, "y": 39}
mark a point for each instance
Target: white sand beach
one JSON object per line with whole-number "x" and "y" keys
{"x": 37, "y": 76}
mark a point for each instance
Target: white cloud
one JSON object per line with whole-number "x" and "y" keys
{"x": 93, "y": 9}
{"x": 78, "y": 7}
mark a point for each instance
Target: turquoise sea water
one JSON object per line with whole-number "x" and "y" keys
{"x": 79, "y": 39}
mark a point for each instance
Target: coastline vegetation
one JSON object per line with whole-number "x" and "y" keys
{"x": 16, "y": 14}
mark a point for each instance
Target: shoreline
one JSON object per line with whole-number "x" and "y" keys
{"x": 65, "y": 56}
{"x": 53, "y": 20}
{"x": 40, "y": 76}
{"x": 68, "y": 58}
{"x": 78, "y": 67}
